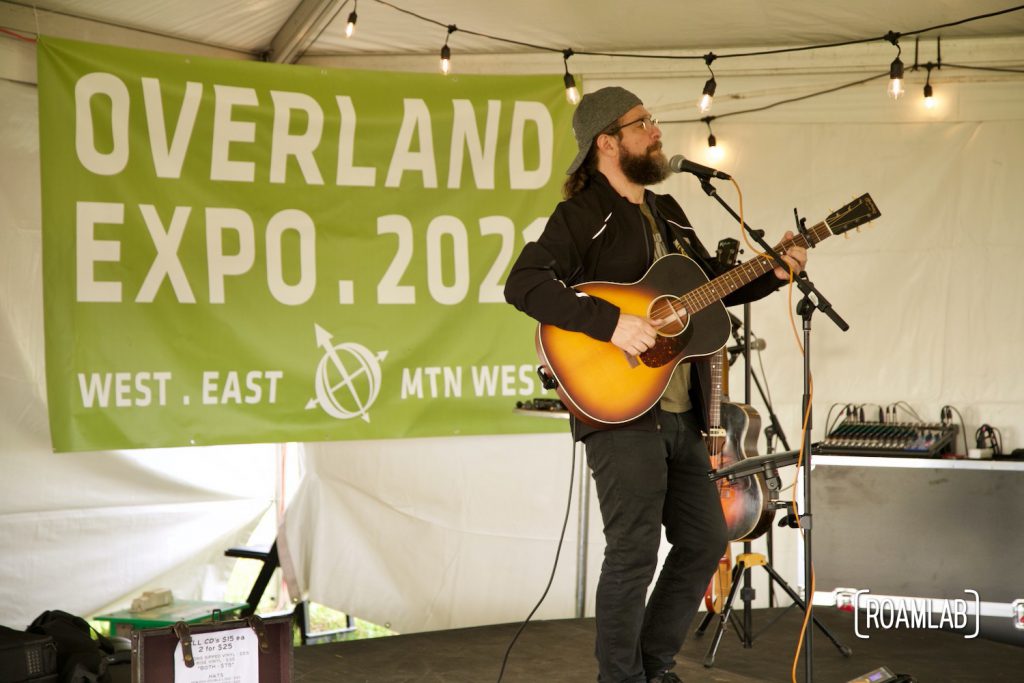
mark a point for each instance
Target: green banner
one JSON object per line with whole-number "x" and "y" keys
{"x": 239, "y": 252}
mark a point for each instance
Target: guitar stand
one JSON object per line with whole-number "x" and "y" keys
{"x": 768, "y": 465}
{"x": 744, "y": 562}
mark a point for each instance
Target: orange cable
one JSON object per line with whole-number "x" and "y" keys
{"x": 803, "y": 628}
{"x": 808, "y": 598}
{"x": 803, "y": 430}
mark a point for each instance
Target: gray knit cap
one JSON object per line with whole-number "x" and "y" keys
{"x": 595, "y": 112}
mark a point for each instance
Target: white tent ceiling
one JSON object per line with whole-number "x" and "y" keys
{"x": 250, "y": 26}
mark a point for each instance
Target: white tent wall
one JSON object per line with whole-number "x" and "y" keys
{"x": 435, "y": 533}
{"x": 85, "y": 531}
{"x": 931, "y": 292}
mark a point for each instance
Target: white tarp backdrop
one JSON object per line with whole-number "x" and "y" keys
{"x": 433, "y": 533}
{"x": 931, "y": 292}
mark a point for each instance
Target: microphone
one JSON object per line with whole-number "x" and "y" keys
{"x": 755, "y": 345}
{"x": 680, "y": 164}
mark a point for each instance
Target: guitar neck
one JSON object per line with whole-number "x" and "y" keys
{"x": 729, "y": 282}
{"x": 715, "y": 400}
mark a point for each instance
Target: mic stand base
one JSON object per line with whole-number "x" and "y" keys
{"x": 744, "y": 563}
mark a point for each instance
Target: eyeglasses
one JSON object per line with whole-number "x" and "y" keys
{"x": 646, "y": 123}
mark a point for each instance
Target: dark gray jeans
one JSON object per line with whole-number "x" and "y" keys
{"x": 644, "y": 480}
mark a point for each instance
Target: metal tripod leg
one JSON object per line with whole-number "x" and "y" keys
{"x": 704, "y": 623}
{"x": 845, "y": 650}
{"x": 743, "y": 562}
{"x": 709, "y": 658}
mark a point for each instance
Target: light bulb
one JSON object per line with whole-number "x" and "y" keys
{"x": 572, "y": 93}
{"x": 929, "y": 98}
{"x": 350, "y": 27}
{"x": 715, "y": 155}
{"x": 446, "y": 59}
{"x": 708, "y": 96}
{"x": 896, "y": 79}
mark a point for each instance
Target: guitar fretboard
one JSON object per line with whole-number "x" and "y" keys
{"x": 727, "y": 283}
{"x": 715, "y": 407}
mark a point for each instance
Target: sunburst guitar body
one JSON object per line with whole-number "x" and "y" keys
{"x": 602, "y": 385}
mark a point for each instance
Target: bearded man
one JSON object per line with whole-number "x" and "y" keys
{"x": 652, "y": 471}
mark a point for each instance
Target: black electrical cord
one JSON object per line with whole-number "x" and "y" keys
{"x": 983, "y": 68}
{"x": 551, "y": 579}
{"x": 987, "y": 436}
{"x": 758, "y": 53}
{"x": 963, "y": 425}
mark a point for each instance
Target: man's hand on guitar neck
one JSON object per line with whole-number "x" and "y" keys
{"x": 634, "y": 334}
{"x": 795, "y": 256}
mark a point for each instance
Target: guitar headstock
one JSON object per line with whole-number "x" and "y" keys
{"x": 858, "y": 212}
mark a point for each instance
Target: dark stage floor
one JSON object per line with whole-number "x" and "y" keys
{"x": 561, "y": 651}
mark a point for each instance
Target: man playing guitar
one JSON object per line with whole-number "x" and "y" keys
{"x": 652, "y": 470}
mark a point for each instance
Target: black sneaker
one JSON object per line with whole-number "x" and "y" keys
{"x": 666, "y": 677}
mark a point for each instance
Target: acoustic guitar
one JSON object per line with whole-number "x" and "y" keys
{"x": 732, "y": 436}
{"x": 602, "y": 385}
{"x": 716, "y": 440}
{"x": 733, "y": 429}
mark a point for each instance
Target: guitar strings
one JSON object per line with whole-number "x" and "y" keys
{"x": 728, "y": 282}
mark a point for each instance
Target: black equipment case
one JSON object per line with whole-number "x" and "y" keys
{"x": 153, "y": 649}
{"x": 27, "y": 657}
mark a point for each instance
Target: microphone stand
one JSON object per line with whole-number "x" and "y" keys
{"x": 770, "y": 432}
{"x": 812, "y": 299}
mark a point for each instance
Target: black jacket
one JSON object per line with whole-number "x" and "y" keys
{"x": 600, "y": 235}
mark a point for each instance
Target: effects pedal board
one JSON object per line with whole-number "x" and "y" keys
{"x": 899, "y": 439}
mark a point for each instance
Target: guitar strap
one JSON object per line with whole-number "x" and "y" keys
{"x": 679, "y": 238}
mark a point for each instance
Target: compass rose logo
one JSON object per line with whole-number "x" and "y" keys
{"x": 347, "y": 378}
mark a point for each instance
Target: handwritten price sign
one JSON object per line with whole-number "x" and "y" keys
{"x": 220, "y": 657}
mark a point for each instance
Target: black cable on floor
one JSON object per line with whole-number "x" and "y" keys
{"x": 551, "y": 579}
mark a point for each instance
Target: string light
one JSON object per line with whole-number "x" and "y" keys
{"x": 896, "y": 68}
{"x": 929, "y": 99}
{"x": 350, "y": 27}
{"x": 896, "y": 86}
{"x": 446, "y": 52}
{"x": 712, "y": 142}
{"x": 706, "y": 98}
{"x": 714, "y": 152}
{"x": 572, "y": 93}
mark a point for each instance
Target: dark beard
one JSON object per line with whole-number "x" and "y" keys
{"x": 649, "y": 168}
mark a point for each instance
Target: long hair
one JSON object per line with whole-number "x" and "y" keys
{"x": 580, "y": 179}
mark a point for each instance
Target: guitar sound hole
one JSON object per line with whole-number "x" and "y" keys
{"x": 670, "y": 309}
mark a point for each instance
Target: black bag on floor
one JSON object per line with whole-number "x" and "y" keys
{"x": 27, "y": 657}
{"x": 80, "y": 659}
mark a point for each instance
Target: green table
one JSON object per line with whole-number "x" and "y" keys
{"x": 123, "y": 622}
